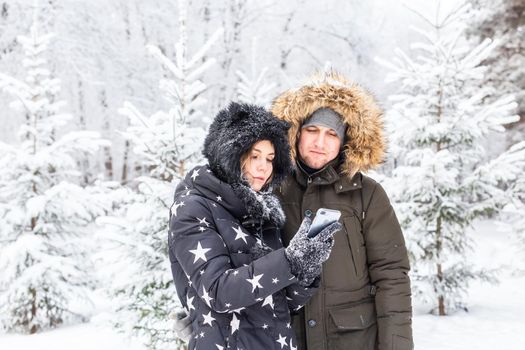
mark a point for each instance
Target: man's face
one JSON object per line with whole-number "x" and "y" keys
{"x": 318, "y": 145}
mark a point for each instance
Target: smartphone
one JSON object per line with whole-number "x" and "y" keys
{"x": 323, "y": 218}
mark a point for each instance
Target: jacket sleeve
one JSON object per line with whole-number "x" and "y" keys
{"x": 298, "y": 295}
{"x": 204, "y": 258}
{"x": 388, "y": 267}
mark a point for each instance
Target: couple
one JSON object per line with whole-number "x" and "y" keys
{"x": 239, "y": 281}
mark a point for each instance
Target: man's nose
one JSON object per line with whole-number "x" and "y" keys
{"x": 319, "y": 140}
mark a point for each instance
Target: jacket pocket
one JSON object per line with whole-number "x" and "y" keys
{"x": 352, "y": 327}
{"x": 353, "y": 318}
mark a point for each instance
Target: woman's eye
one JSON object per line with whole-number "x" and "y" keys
{"x": 269, "y": 160}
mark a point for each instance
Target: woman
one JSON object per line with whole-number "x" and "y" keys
{"x": 231, "y": 271}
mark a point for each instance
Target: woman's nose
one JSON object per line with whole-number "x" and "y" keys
{"x": 262, "y": 165}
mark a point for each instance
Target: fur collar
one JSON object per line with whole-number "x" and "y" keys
{"x": 365, "y": 142}
{"x": 238, "y": 198}
{"x": 262, "y": 205}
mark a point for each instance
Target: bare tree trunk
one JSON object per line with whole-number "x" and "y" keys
{"x": 206, "y": 14}
{"x": 5, "y": 10}
{"x": 441, "y": 298}
{"x": 232, "y": 41}
{"x": 439, "y": 247}
{"x": 286, "y": 52}
{"x": 232, "y": 23}
{"x": 131, "y": 167}
{"x": 33, "y": 328}
{"x": 84, "y": 162}
{"x": 108, "y": 159}
{"x": 439, "y": 223}
{"x": 32, "y": 291}
{"x": 12, "y": 44}
{"x": 125, "y": 157}
{"x": 127, "y": 145}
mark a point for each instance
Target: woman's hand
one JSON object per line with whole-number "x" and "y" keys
{"x": 181, "y": 325}
{"x": 306, "y": 255}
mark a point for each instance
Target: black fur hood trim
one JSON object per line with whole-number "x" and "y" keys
{"x": 234, "y": 131}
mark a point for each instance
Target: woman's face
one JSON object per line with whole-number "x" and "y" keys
{"x": 258, "y": 165}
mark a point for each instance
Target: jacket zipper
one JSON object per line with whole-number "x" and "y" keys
{"x": 309, "y": 180}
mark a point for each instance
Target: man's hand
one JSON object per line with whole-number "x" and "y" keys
{"x": 181, "y": 325}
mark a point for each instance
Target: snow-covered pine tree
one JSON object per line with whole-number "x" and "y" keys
{"x": 503, "y": 19}
{"x": 506, "y": 71}
{"x": 43, "y": 212}
{"x": 443, "y": 180}
{"x": 254, "y": 88}
{"x": 169, "y": 144}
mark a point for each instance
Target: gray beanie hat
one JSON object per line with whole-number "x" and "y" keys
{"x": 329, "y": 118}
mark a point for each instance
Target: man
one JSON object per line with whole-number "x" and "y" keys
{"x": 364, "y": 301}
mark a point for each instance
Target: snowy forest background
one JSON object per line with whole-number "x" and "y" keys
{"x": 104, "y": 106}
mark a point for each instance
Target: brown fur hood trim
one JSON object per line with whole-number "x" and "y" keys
{"x": 365, "y": 143}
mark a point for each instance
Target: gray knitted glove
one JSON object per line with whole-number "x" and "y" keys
{"x": 182, "y": 325}
{"x": 306, "y": 255}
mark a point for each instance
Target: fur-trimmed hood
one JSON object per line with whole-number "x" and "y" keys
{"x": 365, "y": 143}
{"x": 233, "y": 132}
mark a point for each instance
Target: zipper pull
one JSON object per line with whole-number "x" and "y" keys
{"x": 309, "y": 181}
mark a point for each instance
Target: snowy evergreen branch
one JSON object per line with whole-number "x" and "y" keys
{"x": 44, "y": 259}
{"x": 445, "y": 178}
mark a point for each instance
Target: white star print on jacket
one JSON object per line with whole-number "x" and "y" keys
{"x": 239, "y": 301}
{"x": 195, "y": 174}
{"x": 255, "y": 282}
{"x": 240, "y": 234}
{"x": 200, "y": 253}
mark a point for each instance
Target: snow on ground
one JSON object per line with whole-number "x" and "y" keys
{"x": 96, "y": 334}
{"x": 494, "y": 321}
{"x": 79, "y": 337}
{"x": 495, "y": 317}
